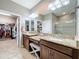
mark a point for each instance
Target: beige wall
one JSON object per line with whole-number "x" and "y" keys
{"x": 6, "y": 19}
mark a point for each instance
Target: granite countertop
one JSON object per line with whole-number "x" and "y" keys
{"x": 65, "y": 42}
{"x": 30, "y": 33}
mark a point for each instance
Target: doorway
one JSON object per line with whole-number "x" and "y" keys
{"x": 7, "y": 31}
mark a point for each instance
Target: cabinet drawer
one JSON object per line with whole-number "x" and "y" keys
{"x": 57, "y": 47}
{"x": 34, "y": 41}
{"x": 57, "y": 55}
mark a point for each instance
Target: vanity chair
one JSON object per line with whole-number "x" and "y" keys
{"x": 35, "y": 49}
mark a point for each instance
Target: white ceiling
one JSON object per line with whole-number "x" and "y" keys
{"x": 42, "y": 8}
{"x": 27, "y": 3}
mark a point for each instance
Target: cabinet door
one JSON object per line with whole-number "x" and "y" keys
{"x": 23, "y": 41}
{"x": 26, "y": 43}
{"x": 51, "y": 54}
{"x": 44, "y": 52}
{"x": 58, "y": 55}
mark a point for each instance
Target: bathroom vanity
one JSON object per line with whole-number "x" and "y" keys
{"x": 26, "y": 39}
{"x": 52, "y": 50}
{"x": 59, "y": 29}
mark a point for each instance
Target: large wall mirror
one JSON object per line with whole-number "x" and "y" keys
{"x": 65, "y": 24}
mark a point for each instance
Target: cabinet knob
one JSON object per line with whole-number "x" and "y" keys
{"x": 52, "y": 53}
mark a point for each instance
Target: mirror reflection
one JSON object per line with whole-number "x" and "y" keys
{"x": 65, "y": 21}
{"x": 57, "y": 18}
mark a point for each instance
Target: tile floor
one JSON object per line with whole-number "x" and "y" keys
{"x": 9, "y": 50}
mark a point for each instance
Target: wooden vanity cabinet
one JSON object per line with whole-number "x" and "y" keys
{"x": 44, "y": 52}
{"x": 26, "y": 41}
{"x": 47, "y": 53}
{"x": 51, "y": 50}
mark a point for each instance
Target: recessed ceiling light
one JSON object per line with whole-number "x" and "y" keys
{"x": 53, "y": 8}
{"x": 64, "y": 13}
{"x": 50, "y": 5}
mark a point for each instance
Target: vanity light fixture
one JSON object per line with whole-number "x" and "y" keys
{"x": 33, "y": 15}
{"x": 51, "y": 7}
{"x": 58, "y": 4}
